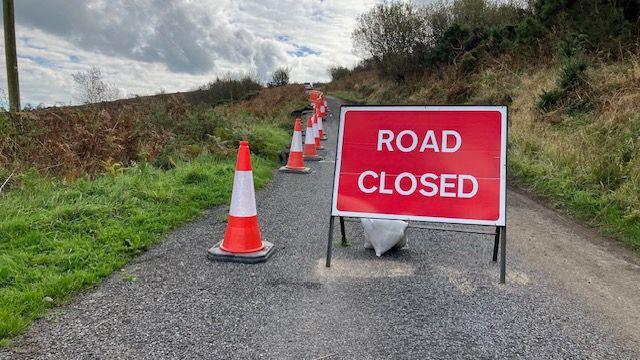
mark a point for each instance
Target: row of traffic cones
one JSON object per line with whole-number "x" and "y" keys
{"x": 242, "y": 240}
{"x": 314, "y": 135}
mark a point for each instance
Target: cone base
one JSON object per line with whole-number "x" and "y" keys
{"x": 320, "y": 148}
{"x": 217, "y": 254}
{"x": 304, "y": 170}
{"x": 312, "y": 157}
{"x": 324, "y": 137}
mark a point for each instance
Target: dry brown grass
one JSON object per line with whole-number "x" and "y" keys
{"x": 270, "y": 99}
{"x": 82, "y": 139}
{"x": 79, "y": 140}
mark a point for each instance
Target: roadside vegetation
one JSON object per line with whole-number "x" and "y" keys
{"x": 568, "y": 70}
{"x": 89, "y": 187}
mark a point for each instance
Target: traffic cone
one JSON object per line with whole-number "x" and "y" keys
{"x": 323, "y": 135}
{"x": 316, "y": 133}
{"x": 310, "y": 152}
{"x": 242, "y": 240}
{"x": 295, "y": 164}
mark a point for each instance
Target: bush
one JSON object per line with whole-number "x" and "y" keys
{"x": 572, "y": 78}
{"x": 572, "y": 74}
{"x": 226, "y": 89}
{"x": 393, "y": 35}
{"x": 549, "y": 99}
{"x": 529, "y": 32}
{"x": 607, "y": 25}
{"x": 280, "y": 77}
{"x": 338, "y": 72}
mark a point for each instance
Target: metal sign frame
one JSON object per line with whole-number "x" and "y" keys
{"x": 500, "y": 233}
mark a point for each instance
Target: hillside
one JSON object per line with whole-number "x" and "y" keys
{"x": 573, "y": 94}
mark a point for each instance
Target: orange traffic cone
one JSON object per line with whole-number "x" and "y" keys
{"x": 242, "y": 240}
{"x": 316, "y": 133}
{"x": 295, "y": 164}
{"x": 310, "y": 152}
{"x": 323, "y": 135}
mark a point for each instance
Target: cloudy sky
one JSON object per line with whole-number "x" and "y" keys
{"x": 144, "y": 46}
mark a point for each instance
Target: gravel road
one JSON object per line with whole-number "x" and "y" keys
{"x": 569, "y": 293}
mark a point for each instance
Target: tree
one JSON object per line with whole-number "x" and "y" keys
{"x": 91, "y": 88}
{"x": 338, "y": 72}
{"x": 280, "y": 77}
{"x": 392, "y": 34}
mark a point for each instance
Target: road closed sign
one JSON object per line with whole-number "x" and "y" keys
{"x": 424, "y": 163}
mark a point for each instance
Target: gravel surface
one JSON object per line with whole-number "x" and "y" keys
{"x": 438, "y": 298}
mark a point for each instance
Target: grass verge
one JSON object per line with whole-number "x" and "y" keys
{"x": 57, "y": 239}
{"x": 64, "y": 230}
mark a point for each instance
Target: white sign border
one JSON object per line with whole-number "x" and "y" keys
{"x": 501, "y": 221}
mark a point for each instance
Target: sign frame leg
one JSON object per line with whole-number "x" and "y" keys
{"x": 330, "y": 241}
{"x": 343, "y": 232}
{"x": 503, "y": 254}
{"x": 496, "y": 242}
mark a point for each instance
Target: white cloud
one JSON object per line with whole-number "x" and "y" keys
{"x": 147, "y": 45}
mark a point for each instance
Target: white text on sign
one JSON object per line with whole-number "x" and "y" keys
{"x": 427, "y": 184}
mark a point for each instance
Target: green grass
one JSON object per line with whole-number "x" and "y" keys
{"x": 611, "y": 210}
{"x": 349, "y": 96}
{"x": 56, "y": 238}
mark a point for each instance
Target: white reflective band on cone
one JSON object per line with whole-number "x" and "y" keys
{"x": 243, "y": 197}
{"x": 315, "y": 130}
{"x": 296, "y": 142}
{"x": 309, "y": 137}
{"x": 320, "y": 123}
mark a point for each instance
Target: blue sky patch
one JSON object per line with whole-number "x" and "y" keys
{"x": 302, "y": 51}
{"x": 74, "y": 58}
{"x": 40, "y": 61}
{"x": 28, "y": 42}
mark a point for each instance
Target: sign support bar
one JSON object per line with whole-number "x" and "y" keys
{"x": 503, "y": 254}
{"x": 500, "y": 237}
{"x": 330, "y": 242}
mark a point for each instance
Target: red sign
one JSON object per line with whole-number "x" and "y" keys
{"x": 425, "y": 163}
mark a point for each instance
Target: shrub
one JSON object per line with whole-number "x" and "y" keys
{"x": 468, "y": 63}
{"x": 572, "y": 74}
{"x": 607, "y": 25}
{"x": 167, "y": 157}
{"x": 572, "y": 77}
{"x": 228, "y": 88}
{"x": 280, "y": 77}
{"x": 338, "y": 72}
{"x": 529, "y": 32}
{"x": 549, "y": 99}
{"x": 392, "y": 35}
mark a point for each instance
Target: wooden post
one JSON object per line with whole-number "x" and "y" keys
{"x": 10, "y": 55}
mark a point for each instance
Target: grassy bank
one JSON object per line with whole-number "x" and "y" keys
{"x": 585, "y": 160}
{"x": 64, "y": 231}
{"x": 568, "y": 70}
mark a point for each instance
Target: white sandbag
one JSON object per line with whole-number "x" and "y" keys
{"x": 383, "y": 235}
